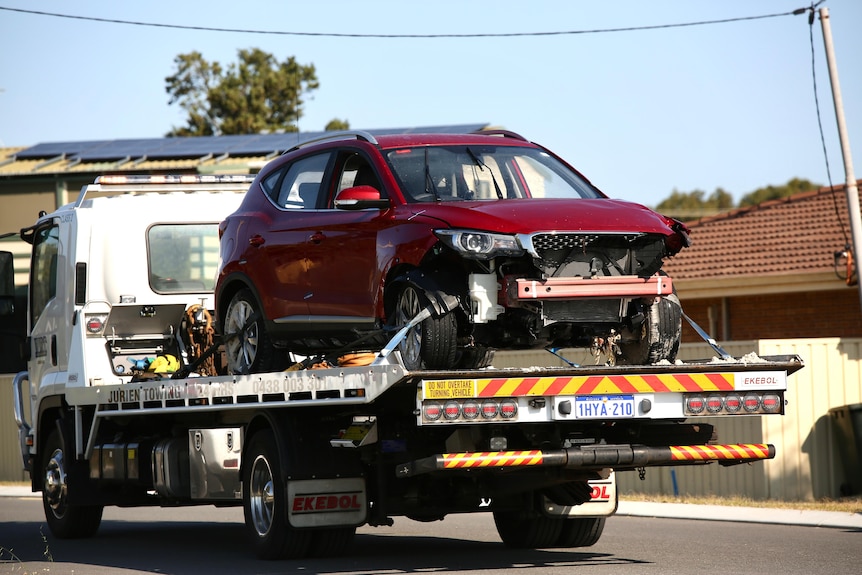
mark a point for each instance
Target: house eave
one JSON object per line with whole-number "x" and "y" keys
{"x": 720, "y": 287}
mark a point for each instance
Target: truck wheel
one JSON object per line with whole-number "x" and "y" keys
{"x": 580, "y": 531}
{"x": 332, "y": 542}
{"x": 264, "y": 504}
{"x": 659, "y": 335}
{"x": 247, "y": 344}
{"x": 430, "y": 344}
{"x": 65, "y": 521}
{"x": 533, "y": 532}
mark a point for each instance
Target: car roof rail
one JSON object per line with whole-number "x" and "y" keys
{"x": 340, "y": 135}
{"x": 503, "y": 133}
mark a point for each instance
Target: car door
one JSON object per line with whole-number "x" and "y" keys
{"x": 278, "y": 260}
{"x": 344, "y": 265}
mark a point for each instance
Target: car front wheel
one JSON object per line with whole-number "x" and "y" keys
{"x": 431, "y": 344}
{"x": 659, "y": 335}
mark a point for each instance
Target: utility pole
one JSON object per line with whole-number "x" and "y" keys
{"x": 852, "y": 191}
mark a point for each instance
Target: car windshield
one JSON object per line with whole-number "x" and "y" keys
{"x": 452, "y": 173}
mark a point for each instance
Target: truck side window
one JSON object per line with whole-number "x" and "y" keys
{"x": 43, "y": 271}
{"x": 182, "y": 258}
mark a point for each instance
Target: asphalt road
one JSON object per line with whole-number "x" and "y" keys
{"x": 206, "y": 540}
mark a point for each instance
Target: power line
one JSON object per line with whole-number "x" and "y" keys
{"x": 391, "y": 36}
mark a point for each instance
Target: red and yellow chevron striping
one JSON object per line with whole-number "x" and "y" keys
{"x": 492, "y": 459}
{"x": 603, "y": 384}
{"x": 714, "y": 452}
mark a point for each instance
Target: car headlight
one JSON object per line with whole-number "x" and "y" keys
{"x": 480, "y": 245}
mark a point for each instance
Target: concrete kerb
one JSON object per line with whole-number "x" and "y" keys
{"x": 806, "y": 518}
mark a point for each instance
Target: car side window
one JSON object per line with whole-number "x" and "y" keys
{"x": 356, "y": 170}
{"x": 300, "y": 186}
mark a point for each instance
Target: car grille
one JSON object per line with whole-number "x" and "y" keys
{"x": 576, "y": 253}
{"x": 568, "y": 241}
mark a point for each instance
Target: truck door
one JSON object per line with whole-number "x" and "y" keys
{"x": 47, "y": 320}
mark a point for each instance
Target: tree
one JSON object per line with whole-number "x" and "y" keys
{"x": 335, "y": 125}
{"x": 761, "y": 195}
{"x": 257, "y": 94}
{"x": 687, "y": 205}
{"x": 691, "y": 205}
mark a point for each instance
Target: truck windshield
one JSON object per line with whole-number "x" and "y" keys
{"x": 451, "y": 173}
{"x": 182, "y": 258}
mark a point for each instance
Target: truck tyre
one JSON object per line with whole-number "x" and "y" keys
{"x": 247, "y": 344}
{"x": 264, "y": 504}
{"x": 65, "y": 521}
{"x": 580, "y": 531}
{"x": 332, "y": 542}
{"x": 430, "y": 344}
{"x": 659, "y": 335}
{"x": 527, "y": 532}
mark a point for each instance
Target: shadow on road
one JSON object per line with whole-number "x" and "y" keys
{"x": 221, "y": 548}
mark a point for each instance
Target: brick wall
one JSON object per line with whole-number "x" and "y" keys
{"x": 777, "y": 316}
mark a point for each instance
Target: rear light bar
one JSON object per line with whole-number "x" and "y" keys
{"x": 464, "y": 410}
{"x": 733, "y": 403}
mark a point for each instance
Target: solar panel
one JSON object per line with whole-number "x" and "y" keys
{"x": 119, "y": 149}
{"x": 54, "y": 149}
{"x": 198, "y": 147}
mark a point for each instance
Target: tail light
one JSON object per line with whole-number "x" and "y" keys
{"x": 469, "y": 410}
{"x": 731, "y": 403}
{"x": 95, "y": 323}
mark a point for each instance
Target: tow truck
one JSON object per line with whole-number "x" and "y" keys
{"x": 130, "y": 403}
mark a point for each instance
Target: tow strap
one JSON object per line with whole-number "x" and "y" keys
{"x": 705, "y": 336}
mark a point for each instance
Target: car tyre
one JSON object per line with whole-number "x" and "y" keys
{"x": 659, "y": 335}
{"x": 248, "y": 347}
{"x": 431, "y": 344}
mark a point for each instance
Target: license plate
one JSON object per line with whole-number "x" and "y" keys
{"x": 605, "y": 407}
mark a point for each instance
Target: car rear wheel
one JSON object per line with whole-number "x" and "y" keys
{"x": 247, "y": 344}
{"x": 659, "y": 335}
{"x": 431, "y": 344}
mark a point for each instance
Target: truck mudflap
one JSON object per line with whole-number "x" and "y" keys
{"x": 615, "y": 456}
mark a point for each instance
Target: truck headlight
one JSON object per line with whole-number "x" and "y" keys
{"x": 480, "y": 245}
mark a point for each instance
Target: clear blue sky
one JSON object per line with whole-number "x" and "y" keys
{"x": 641, "y": 113}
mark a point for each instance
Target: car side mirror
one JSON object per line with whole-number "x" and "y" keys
{"x": 360, "y": 198}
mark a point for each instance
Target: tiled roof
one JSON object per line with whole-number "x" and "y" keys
{"x": 789, "y": 236}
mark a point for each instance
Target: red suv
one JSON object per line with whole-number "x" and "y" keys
{"x": 343, "y": 240}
